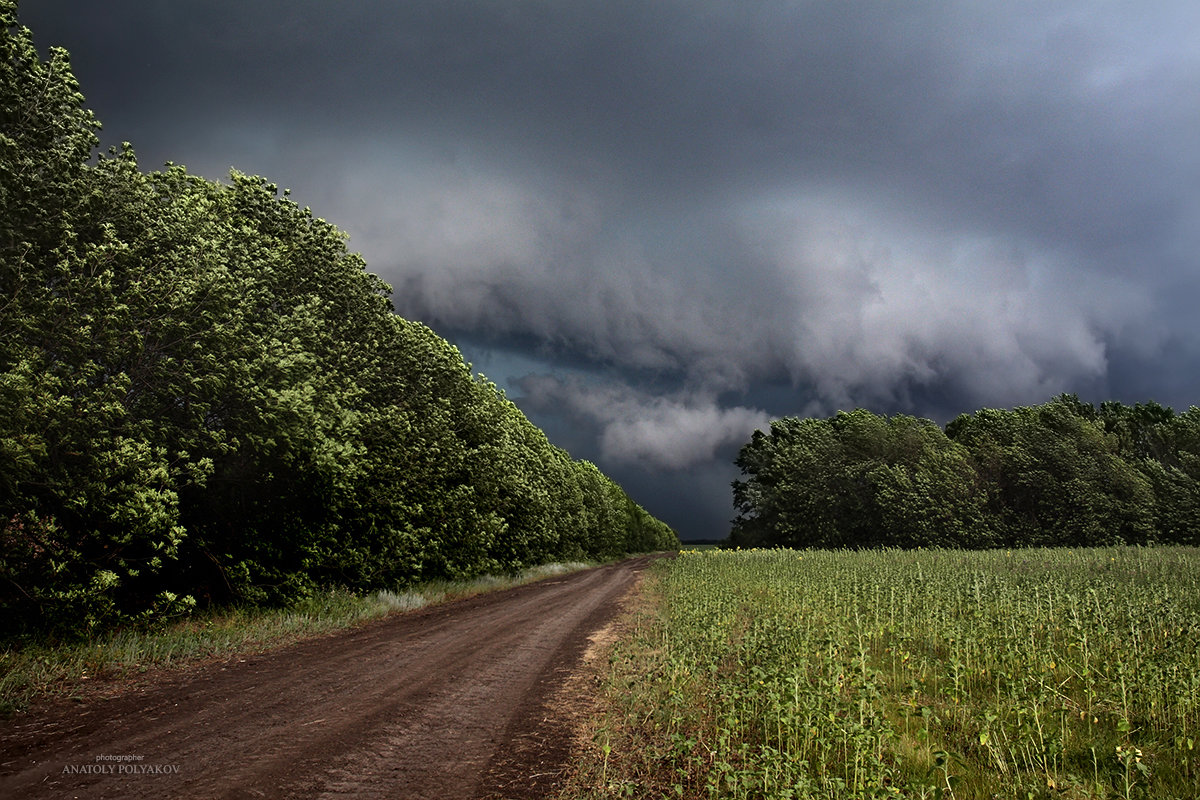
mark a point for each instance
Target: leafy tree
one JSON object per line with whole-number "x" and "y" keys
{"x": 88, "y": 507}
{"x": 1056, "y": 477}
{"x": 1165, "y": 448}
{"x": 856, "y": 480}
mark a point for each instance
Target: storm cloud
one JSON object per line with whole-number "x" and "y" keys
{"x": 653, "y": 430}
{"x": 659, "y": 224}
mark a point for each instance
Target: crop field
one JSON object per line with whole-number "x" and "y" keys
{"x": 918, "y": 674}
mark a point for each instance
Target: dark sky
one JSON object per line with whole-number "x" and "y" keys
{"x": 660, "y": 223}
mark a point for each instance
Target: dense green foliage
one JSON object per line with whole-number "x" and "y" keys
{"x": 1063, "y": 473}
{"x": 1038, "y": 673}
{"x": 205, "y": 396}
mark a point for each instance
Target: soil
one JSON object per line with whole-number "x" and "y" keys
{"x": 449, "y": 702}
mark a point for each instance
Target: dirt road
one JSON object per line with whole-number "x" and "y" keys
{"x": 443, "y": 703}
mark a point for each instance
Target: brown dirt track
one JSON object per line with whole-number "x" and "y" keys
{"x": 443, "y": 703}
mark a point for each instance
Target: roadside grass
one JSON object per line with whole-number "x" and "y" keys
{"x": 1028, "y": 674}
{"x": 36, "y": 671}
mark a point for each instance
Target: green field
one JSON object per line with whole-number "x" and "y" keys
{"x": 920, "y": 674}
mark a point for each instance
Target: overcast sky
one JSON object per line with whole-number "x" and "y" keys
{"x": 660, "y": 223}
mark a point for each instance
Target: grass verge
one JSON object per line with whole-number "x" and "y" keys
{"x": 33, "y": 672}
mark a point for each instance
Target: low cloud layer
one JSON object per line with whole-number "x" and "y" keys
{"x": 702, "y": 213}
{"x": 652, "y": 431}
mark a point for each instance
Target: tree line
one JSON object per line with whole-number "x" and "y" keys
{"x": 1064, "y": 473}
{"x": 206, "y": 398}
